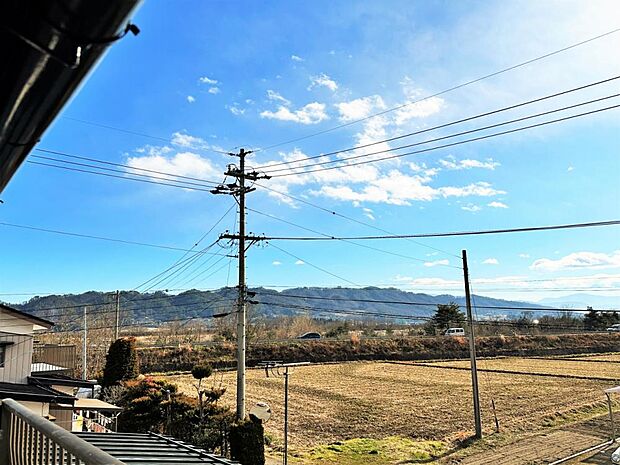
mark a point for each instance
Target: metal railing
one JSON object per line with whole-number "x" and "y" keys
{"x": 29, "y": 439}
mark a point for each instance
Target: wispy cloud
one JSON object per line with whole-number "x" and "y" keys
{"x": 524, "y": 255}
{"x": 276, "y": 97}
{"x": 296, "y": 58}
{"x": 214, "y": 90}
{"x": 300, "y": 262}
{"x": 207, "y": 80}
{"x": 579, "y": 260}
{"x": 495, "y": 204}
{"x": 323, "y": 80}
{"x": 183, "y": 139}
{"x": 437, "y": 262}
{"x": 276, "y": 263}
{"x": 191, "y": 99}
{"x": 471, "y": 208}
{"x": 491, "y": 261}
{"x": 312, "y": 113}
{"x": 452, "y": 163}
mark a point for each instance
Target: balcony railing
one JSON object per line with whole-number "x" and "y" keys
{"x": 29, "y": 439}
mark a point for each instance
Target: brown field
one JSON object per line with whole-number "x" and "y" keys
{"x": 595, "y": 367}
{"x": 375, "y": 400}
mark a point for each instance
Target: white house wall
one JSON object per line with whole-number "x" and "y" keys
{"x": 17, "y": 358}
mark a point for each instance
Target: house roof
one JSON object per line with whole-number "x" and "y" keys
{"x": 51, "y": 379}
{"x": 34, "y": 393}
{"x": 26, "y": 316}
{"x": 150, "y": 448}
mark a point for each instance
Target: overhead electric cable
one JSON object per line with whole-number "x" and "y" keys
{"x": 100, "y": 238}
{"x": 346, "y": 240}
{"x": 136, "y": 133}
{"x": 441, "y": 126}
{"x": 314, "y": 266}
{"x": 437, "y": 94}
{"x": 437, "y": 139}
{"x": 105, "y": 162}
{"x": 449, "y": 234}
{"x": 126, "y": 178}
{"x": 453, "y": 144}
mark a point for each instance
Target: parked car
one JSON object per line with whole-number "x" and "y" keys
{"x": 614, "y": 328}
{"x": 615, "y": 456}
{"x": 454, "y": 332}
{"x": 310, "y": 335}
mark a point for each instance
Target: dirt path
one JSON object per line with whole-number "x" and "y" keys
{"x": 545, "y": 448}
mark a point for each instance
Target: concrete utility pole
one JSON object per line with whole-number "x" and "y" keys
{"x": 84, "y": 347}
{"x": 239, "y": 190}
{"x": 117, "y": 314}
{"x": 472, "y": 351}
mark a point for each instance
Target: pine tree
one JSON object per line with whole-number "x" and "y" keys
{"x": 121, "y": 362}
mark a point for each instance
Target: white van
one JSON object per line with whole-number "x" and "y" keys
{"x": 454, "y": 332}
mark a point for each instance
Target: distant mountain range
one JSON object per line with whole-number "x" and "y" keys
{"x": 598, "y": 302}
{"x": 332, "y": 303}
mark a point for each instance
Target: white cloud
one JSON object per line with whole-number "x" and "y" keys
{"x": 579, "y": 260}
{"x": 368, "y": 213}
{"x": 497, "y": 205}
{"x": 359, "y": 108}
{"x": 235, "y": 109}
{"x": 296, "y": 58}
{"x": 471, "y": 208}
{"x": 276, "y": 263}
{"x": 480, "y": 189}
{"x": 437, "y": 262}
{"x": 570, "y": 168}
{"x": 184, "y": 164}
{"x": 214, "y": 90}
{"x": 276, "y": 97}
{"x": 452, "y": 163}
{"x": 311, "y": 113}
{"x": 206, "y": 80}
{"x": 300, "y": 262}
{"x": 185, "y": 140}
{"x": 191, "y": 99}
{"x": 323, "y": 80}
{"x": 524, "y": 255}
{"x": 491, "y": 261}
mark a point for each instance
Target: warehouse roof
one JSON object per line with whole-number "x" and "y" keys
{"x": 150, "y": 448}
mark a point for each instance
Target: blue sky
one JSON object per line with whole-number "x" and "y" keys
{"x": 220, "y": 75}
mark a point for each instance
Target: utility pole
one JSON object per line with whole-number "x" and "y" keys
{"x": 472, "y": 351}
{"x": 84, "y": 347}
{"x": 239, "y": 190}
{"x": 117, "y": 314}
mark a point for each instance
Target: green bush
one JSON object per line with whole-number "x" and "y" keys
{"x": 247, "y": 442}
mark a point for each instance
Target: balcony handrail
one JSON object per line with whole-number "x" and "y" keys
{"x": 71, "y": 443}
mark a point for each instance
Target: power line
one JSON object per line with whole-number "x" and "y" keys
{"x": 432, "y": 304}
{"x": 449, "y": 234}
{"x": 466, "y": 141}
{"x": 99, "y": 238}
{"x": 136, "y": 133}
{"x": 314, "y": 266}
{"x": 104, "y": 162}
{"x": 347, "y": 241}
{"x": 348, "y": 218}
{"x": 452, "y": 123}
{"x": 125, "y": 178}
{"x": 437, "y": 94}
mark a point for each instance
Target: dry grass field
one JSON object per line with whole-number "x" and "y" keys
{"x": 377, "y": 400}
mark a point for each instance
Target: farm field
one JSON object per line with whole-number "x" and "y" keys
{"x": 605, "y": 367}
{"x": 378, "y": 401}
